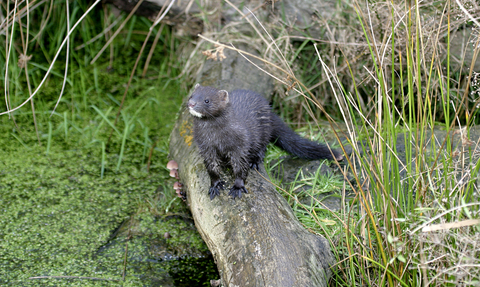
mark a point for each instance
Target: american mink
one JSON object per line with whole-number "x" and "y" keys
{"x": 234, "y": 129}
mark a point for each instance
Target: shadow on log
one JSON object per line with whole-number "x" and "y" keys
{"x": 256, "y": 240}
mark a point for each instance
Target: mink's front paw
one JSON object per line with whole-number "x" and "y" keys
{"x": 215, "y": 189}
{"x": 236, "y": 191}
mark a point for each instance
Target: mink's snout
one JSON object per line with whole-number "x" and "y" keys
{"x": 191, "y": 103}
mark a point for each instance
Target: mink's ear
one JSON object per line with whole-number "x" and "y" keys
{"x": 196, "y": 86}
{"x": 223, "y": 95}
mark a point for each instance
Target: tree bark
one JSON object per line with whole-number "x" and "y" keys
{"x": 256, "y": 240}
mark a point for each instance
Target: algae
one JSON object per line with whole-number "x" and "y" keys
{"x": 58, "y": 219}
{"x": 75, "y": 205}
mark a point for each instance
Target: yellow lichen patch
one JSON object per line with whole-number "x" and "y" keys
{"x": 189, "y": 140}
{"x": 186, "y": 132}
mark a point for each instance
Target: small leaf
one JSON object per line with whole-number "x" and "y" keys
{"x": 390, "y": 238}
{"x": 328, "y": 221}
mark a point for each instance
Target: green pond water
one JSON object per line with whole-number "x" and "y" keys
{"x": 81, "y": 210}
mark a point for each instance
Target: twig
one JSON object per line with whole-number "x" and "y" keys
{"x": 67, "y": 56}
{"x": 72, "y": 277}
{"x": 154, "y": 45}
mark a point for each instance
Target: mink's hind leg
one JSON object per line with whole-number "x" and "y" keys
{"x": 254, "y": 165}
{"x": 257, "y": 159}
{"x": 240, "y": 171}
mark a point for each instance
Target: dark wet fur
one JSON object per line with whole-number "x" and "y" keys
{"x": 235, "y": 130}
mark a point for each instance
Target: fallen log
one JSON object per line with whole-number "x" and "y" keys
{"x": 256, "y": 240}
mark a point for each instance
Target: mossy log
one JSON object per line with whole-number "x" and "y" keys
{"x": 256, "y": 240}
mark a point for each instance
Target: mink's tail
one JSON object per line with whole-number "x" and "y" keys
{"x": 291, "y": 142}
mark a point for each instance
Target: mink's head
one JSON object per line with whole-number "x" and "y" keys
{"x": 207, "y": 102}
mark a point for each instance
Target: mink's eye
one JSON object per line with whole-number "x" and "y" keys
{"x": 207, "y": 101}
